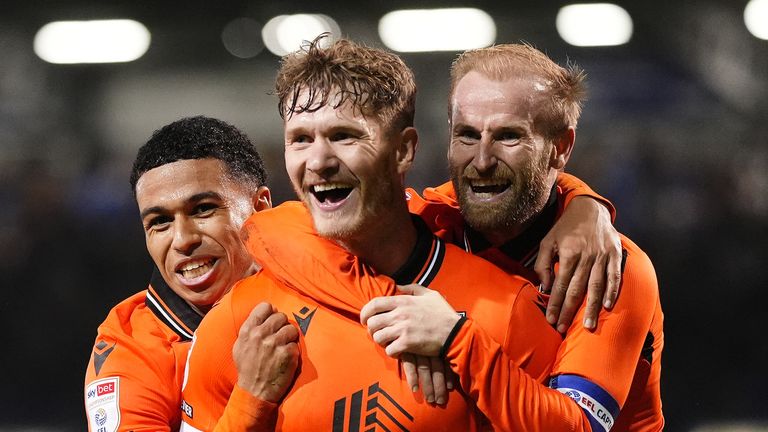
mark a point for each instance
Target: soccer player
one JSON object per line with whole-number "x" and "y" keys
{"x": 513, "y": 121}
{"x": 513, "y": 116}
{"x": 195, "y": 181}
{"x": 348, "y": 113}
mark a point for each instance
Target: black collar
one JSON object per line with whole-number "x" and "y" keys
{"x": 170, "y": 308}
{"x": 425, "y": 259}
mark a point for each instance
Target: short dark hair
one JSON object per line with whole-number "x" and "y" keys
{"x": 374, "y": 81}
{"x": 201, "y": 138}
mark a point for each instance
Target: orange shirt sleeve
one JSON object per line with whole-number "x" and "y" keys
{"x": 130, "y": 383}
{"x": 511, "y": 399}
{"x": 131, "y": 392}
{"x": 211, "y": 399}
{"x": 608, "y": 356}
{"x": 569, "y": 187}
{"x": 505, "y": 380}
{"x": 247, "y": 413}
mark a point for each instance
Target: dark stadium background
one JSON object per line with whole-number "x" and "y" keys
{"x": 675, "y": 133}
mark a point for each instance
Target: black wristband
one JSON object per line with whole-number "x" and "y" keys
{"x": 452, "y": 336}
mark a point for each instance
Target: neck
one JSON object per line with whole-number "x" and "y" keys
{"x": 388, "y": 247}
{"x": 503, "y": 235}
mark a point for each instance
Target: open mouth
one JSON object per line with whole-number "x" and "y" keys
{"x": 331, "y": 193}
{"x": 489, "y": 186}
{"x": 194, "y": 269}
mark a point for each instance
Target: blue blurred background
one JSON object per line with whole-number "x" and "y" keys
{"x": 675, "y": 133}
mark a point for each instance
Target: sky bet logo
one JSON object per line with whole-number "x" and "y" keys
{"x": 101, "y": 390}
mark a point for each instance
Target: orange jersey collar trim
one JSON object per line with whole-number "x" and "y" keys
{"x": 170, "y": 308}
{"x": 425, "y": 260}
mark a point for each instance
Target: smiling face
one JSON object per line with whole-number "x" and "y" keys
{"x": 344, "y": 167}
{"x": 500, "y": 164}
{"x": 192, "y": 212}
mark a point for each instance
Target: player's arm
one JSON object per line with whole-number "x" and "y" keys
{"x": 588, "y": 250}
{"x": 494, "y": 376}
{"x": 570, "y": 187}
{"x": 266, "y": 356}
{"x": 215, "y": 397}
{"x": 127, "y": 389}
{"x": 308, "y": 263}
{"x": 607, "y": 358}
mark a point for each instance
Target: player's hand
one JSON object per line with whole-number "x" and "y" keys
{"x": 588, "y": 248}
{"x": 418, "y": 322}
{"x": 432, "y": 374}
{"x": 266, "y": 353}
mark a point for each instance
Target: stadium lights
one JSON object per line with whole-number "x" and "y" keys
{"x": 756, "y": 18}
{"x": 100, "y": 41}
{"x": 420, "y": 30}
{"x": 285, "y": 33}
{"x": 594, "y": 24}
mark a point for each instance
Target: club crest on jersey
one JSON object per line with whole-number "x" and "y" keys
{"x": 102, "y": 404}
{"x": 100, "y": 417}
{"x": 380, "y": 412}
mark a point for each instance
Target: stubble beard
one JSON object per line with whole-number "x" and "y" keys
{"x": 350, "y": 225}
{"x": 530, "y": 191}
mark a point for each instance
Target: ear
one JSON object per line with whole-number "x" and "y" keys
{"x": 562, "y": 148}
{"x": 406, "y": 149}
{"x": 262, "y": 199}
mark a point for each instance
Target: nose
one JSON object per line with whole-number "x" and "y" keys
{"x": 322, "y": 158}
{"x": 485, "y": 158}
{"x": 186, "y": 236}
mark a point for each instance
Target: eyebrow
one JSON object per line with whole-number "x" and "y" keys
{"x": 509, "y": 128}
{"x": 192, "y": 199}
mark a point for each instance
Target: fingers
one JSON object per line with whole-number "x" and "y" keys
{"x": 261, "y": 312}
{"x": 286, "y": 334}
{"x": 595, "y": 292}
{"x": 378, "y": 322}
{"x": 559, "y": 288}
{"x": 409, "y": 369}
{"x": 574, "y": 296}
{"x": 424, "y": 369}
{"x": 396, "y": 348}
{"x": 613, "y": 274}
{"x": 385, "y": 336}
{"x": 451, "y": 379}
{"x": 379, "y": 305}
{"x": 544, "y": 264}
{"x": 439, "y": 383}
{"x": 412, "y": 289}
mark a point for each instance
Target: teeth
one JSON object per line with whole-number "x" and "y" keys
{"x": 488, "y": 182}
{"x": 329, "y": 186}
{"x": 196, "y": 268}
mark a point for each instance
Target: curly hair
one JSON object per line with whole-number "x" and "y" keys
{"x": 200, "y": 138}
{"x": 566, "y": 86}
{"x": 374, "y": 81}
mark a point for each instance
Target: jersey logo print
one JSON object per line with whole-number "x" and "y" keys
{"x": 381, "y": 412}
{"x": 304, "y": 319}
{"x": 100, "y": 355}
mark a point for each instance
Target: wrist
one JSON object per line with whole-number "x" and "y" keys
{"x": 452, "y": 335}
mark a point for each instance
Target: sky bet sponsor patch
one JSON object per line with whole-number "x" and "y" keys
{"x": 600, "y": 407}
{"x": 101, "y": 404}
